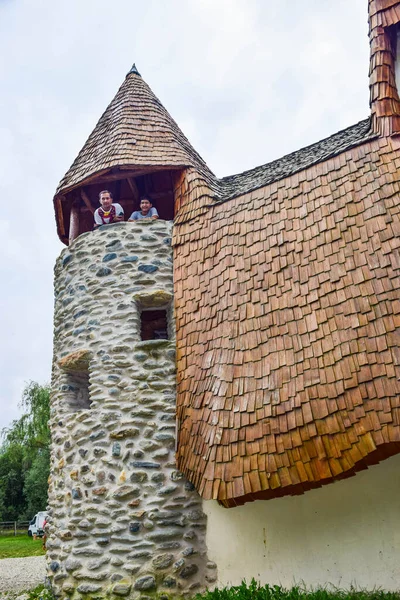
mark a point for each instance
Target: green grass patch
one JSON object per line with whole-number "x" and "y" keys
{"x": 16, "y": 547}
{"x": 255, "y": 591}
{"x": 40, "y": 593}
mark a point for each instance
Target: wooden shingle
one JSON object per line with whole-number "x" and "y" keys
{"x": 134, "y": 134}
{"x": 293, "y": 347}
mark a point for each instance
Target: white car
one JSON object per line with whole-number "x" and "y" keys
{"x": 36, "y": 526}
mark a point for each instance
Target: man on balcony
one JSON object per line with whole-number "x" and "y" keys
{"x": 108, "y": 211}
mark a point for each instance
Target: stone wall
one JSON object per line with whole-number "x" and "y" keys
{"x": 122, "y": 520}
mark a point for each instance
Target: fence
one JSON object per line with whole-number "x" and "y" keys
{"x": 14, "y": 527}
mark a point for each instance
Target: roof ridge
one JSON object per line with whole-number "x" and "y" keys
{"x": 329, "y": 137}
{"x": 298, "y": 160}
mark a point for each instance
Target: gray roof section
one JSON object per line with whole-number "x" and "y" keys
{"x": 242, "y": 183}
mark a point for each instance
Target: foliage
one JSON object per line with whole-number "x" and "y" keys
{"x": 24, "y": 457}
{"x": 20, "y": 546}
{"x": 254, "y": 591}
{"x": 40, "y": 592}
{"x": 11, "y": 482}
{"x": 31, "y": 429}
{"x": 35, "y": 485}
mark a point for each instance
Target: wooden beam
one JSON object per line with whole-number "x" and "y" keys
{"x": 86, "y": 200}
{"x": 155, "y": 195}
{"x": 60, "y": 217}
{"x": 74, "y": 223}
{"x": 148, "y": 184}
{"x": 134, "y": 188}
{"x": 117, "y": 191}
{"x": 125, "y": 171}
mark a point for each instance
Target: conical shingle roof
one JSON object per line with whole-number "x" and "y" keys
{"x": 134, "y": 131}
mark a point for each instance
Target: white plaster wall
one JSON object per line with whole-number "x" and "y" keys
{"x": 343, "y": 533}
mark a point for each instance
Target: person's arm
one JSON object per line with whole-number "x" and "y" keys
{"x": 119, "y": 213}
{"x": 154, "y": 213}
{"x": 97, "y": 219}
{"x": 132, "y": 217}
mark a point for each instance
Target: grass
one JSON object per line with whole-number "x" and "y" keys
{"x": 254, "y": 591}
{"x": 251, "y": 591}
{"x": 19, "y": 546}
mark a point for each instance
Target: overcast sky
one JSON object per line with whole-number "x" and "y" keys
{"x": 247, "y": 81}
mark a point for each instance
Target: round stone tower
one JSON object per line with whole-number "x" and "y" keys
{"x": 122, "y": 519}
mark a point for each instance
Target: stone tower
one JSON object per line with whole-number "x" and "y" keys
{"x": 123, "y": 521}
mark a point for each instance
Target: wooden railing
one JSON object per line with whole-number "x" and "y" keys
{"x": 14, "y": 527}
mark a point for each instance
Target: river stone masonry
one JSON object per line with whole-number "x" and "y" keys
{"x": 122, "y": 520}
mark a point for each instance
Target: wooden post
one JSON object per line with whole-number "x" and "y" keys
{"x": 15, "y": 528}
{"x": 134, "y": 188}
{"x": 60, "y": 216}
{"x": 117, "y": 191}
{"x": 74, "y": 222}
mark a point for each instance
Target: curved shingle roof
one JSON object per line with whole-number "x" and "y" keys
{"x": 288, "y": 314}
{"x": 135, "y": 130}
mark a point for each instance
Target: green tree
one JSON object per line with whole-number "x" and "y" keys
{"x": 12, "y": 481}
{"x": 31, "y": 429}
{"x": 24, "y": 457}
{"x": 35, "y": 485}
